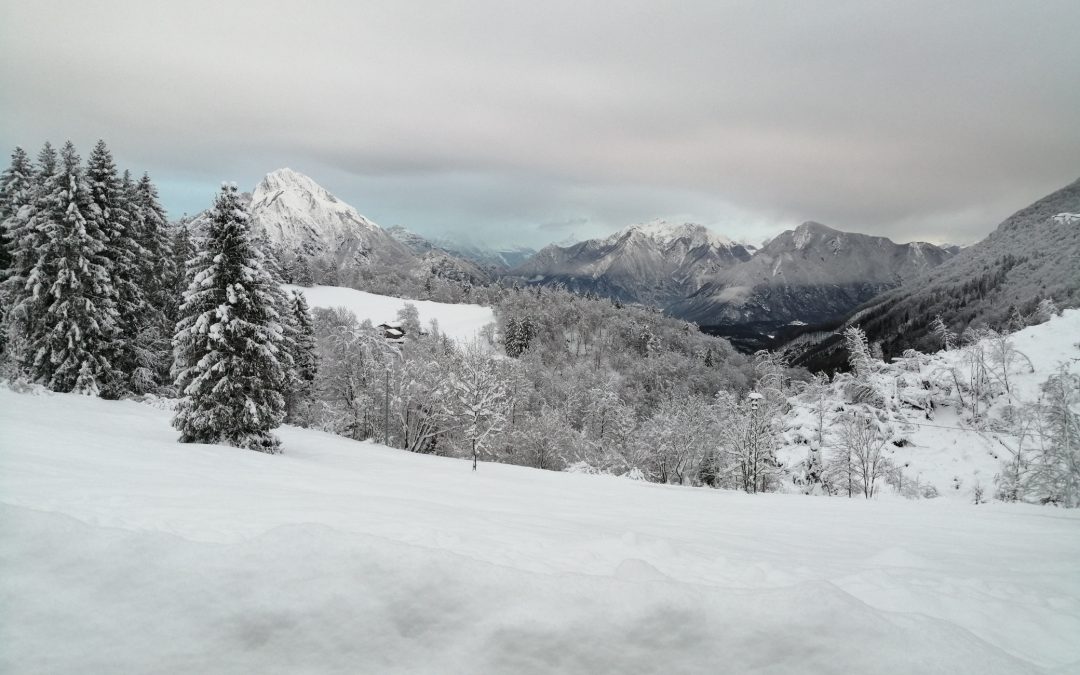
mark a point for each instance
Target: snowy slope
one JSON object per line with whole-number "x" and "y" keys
{"x": 949, "y": 450}
{"x": 461, "y": 322}
{"x": 123, "y": 551}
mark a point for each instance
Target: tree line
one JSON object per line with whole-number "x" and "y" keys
{"x": 100, "y": 297}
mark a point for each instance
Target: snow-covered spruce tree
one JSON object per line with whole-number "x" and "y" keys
{"x": 305, "y": 361}
{"x": 158, "y": 276}
{"x": 21, "y": 196}
{"x": 229, "y": 342}
{"x": 112, "y": 212}
{"x": 183, "y": 252}
{"x": 16, "y": 190}
{"x": 17, "y": 185}
{"x": 517, "y": 335}
{"x": 76, "y": 333}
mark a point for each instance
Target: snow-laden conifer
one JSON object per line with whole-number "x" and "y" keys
{"x": 73, "y": 339}
{"x": 17, "y": 186}
{"x": 21, "y": 193}
{"x": 183, "y": 252}
{"x": 159, "y": 275}
{"x": 112, "y": 212}
{"x": 304, "y": 357}
{"x": 16, "y": 190}
{"x": 154, "y": 273}
{"x": 229, "y": 344}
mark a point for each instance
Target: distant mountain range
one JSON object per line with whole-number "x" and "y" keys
{"x": 802, "y": 282}
{"x": 811, "y": 274}
{"x": 656, "y": 263}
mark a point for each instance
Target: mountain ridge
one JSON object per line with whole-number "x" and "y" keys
{"x": 812, "y": 273}
{"x": 1030, "y": 256}
{"x": 655, "y": 262}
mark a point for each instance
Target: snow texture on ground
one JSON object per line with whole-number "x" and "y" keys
{"x": 460, "y": 322}
{"x": 122, "y": 551}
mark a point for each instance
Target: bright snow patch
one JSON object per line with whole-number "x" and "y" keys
{"x": 123, "y": 551}
{"x": 461, "y": 322}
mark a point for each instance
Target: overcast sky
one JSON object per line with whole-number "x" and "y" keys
{"x": 531, "y": 122}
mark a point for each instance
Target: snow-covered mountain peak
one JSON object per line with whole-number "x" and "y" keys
{"x": 664, "y": 233}
{"x": 291, "y": 193}
{"x": 296, "y": 212}
{"x": 806, "y": 233}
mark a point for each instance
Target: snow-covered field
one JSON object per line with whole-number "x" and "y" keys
{"x": 122, "y": 551}
{"x": 461, "y": 322}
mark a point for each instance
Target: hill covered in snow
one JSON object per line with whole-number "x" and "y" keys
{"x": 124, "y": 551}
{"x": 462, "y": 322}
{"x": 966, "y": 423}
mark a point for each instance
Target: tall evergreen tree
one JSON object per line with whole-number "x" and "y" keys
{"x": 154, "y": 238}
{"x": 72, "y": 341}
{"x": 183, "y": 252}
{"x": 24, "y": 226}
{"x": 17, "y": 185}
{"x": 16, "y": 189}
{"x": 304, "y": 357}
{"x": 229, "y": 345}
{"x": 112, "y": 211}
{"x": 157, "y": 276}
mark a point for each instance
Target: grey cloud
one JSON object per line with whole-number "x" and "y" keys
{"x": 561, "y": 225}
{"x": 915, "y": 120}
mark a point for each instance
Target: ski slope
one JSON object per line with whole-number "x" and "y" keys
{"x": 122, "y": 551}
{"x": 460, "y": 322}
